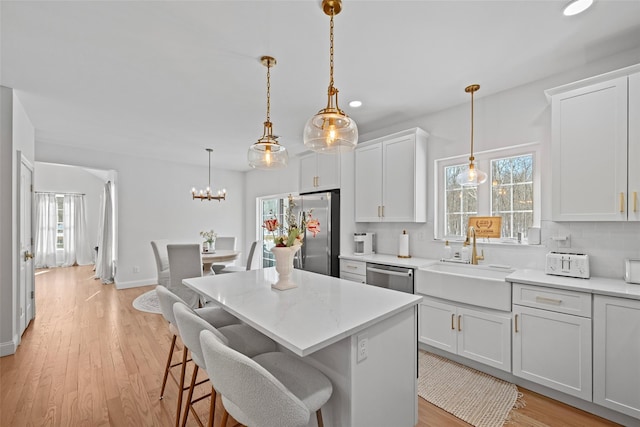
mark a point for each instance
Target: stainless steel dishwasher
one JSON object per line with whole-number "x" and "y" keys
{"x": 390, "y": 277}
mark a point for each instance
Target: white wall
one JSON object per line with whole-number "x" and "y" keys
{"x": 17, "y": 135}
{"x": 154, "y": 202}
{"x": 55, "y": 178}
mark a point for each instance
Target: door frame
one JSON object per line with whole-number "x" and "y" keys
{"x": 23, "y": 162}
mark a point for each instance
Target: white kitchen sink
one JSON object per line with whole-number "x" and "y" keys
{"x": 478, "y": 285}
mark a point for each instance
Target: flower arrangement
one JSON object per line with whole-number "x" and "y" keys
{"x": 209, "y": 236}
{"x": 294, "y": 232}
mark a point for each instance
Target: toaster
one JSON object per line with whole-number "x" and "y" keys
{"x": 568, "y": 264}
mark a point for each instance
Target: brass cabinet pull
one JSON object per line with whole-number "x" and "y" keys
{"x": 459, "y": 322}
{"x": 383, "y": 211}
{"x": 516, "y": 323}
{"x": 621, "y": 202}
{"x": 545, "y": 300}
{"x": 453, "y": 316}
{"x": 379, "y": 211}
{"x": 635, "y": 201}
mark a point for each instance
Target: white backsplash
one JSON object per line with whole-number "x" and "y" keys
{"x": 606, "y": 243}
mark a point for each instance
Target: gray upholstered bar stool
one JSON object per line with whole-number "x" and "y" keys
{"x": 212, "y": 315}
{"x": 242, "y": 338}
{"x": 270, "y": 390}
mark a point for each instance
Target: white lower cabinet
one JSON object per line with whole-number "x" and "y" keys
{"x": 616, "y": 354}
{"x": 356, "y": 271}
{"x": 551, "y": 347}
{"x": 479, "y": 334}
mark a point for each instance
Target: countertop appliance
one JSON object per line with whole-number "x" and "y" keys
{"x": 632, "y": 271}
{"x": 390, "y": 277}
{"x": 568, "y": 264}
{"x": 319, "y": 254}
{"x": 363, "y": 243}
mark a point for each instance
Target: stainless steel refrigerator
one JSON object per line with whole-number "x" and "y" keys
{"x": 319, "y": 254}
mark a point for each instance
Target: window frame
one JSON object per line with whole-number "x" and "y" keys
{"x": 484, "y": 197}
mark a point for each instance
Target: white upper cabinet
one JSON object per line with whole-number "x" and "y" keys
{"x": 319, "y": 172}
{"x": 595, "y": 146}
{"x": 391, "y": 178}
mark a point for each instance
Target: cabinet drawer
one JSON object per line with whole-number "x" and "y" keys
{"x": 353, "y": 267}
{"x": 558, "y": 300}
{"x": 353, "y": 277}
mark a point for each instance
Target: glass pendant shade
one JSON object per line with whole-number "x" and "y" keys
{"x": 330, "y": 132}
{"x": 266, "y": 153}
{"x": 470, "y": 176}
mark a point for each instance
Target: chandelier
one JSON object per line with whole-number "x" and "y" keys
{"x": 470, "y": 176}
{"x": 331, "y": 130}
{"x": 207, "y": 194}
{"x": 266, "y": 153}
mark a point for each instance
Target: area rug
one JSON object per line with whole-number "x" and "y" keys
{"x": 473, "y": 396}
{"x": 147, "y": 302}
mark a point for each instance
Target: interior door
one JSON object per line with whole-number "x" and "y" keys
{"x": 27, "y": 278}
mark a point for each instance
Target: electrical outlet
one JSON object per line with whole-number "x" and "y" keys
{"x": 363, "y": 347}
{"x": 136, "y": 269}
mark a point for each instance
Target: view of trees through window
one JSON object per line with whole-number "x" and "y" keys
{"x": 271, "y": 208}
{"x": 460, "y": 202}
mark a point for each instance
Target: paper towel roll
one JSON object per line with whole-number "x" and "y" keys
{"x": 403, "y": 245}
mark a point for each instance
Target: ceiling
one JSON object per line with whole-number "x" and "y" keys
{"x": 167, "y": 79}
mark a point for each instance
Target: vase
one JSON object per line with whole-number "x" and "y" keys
{"x": 284, "y": 266}
{"x": 205, "y": 247}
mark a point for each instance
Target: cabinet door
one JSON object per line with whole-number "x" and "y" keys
{"x": 634, "y": 147}
{"x": 308, "y": 169}
{"x": 437, "y": 325}
{"x": 398, "y": 185}
{"x": 589, "y": 152}
{"x": 368, "y": 183}
{"x": 328, "y": 172}
{"x": 485, "y": 337}
{"x": 553, "y": 349}
{"x": 616, "y": 354}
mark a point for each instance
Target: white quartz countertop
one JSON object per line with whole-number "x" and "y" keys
{"x": 391, "y": 260}
{"x": 320, "y": 311}
{"x": 594, "y": 285}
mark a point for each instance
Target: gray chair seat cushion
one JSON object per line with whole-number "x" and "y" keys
{"x": 217, "y": 316}
{"x": 303, "y": 380}
{"x": 246, "y": 340}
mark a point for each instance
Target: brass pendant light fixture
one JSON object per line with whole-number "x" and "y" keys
{"x": 331, "y": 130}
{"x": 266, "y": 153}
{"x": 207, "y": 194}
{"x": 471, "y": 176}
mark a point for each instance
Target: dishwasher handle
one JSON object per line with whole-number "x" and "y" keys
{"x": 407, "y": 273}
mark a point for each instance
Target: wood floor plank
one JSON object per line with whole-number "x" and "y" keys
{"x": 90, "y": 359}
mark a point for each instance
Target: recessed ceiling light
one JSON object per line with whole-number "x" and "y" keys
{"x": 576, "y": 7}
{"x": 355, "y": 104}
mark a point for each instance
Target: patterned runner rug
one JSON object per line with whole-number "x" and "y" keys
{"x": 147, "y": 302}
{"x": 473, "y": 396}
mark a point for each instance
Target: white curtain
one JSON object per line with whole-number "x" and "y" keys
{"x": 105, "y": 265}
{"x": 45, "y": 235}
{"x": 76, "y": 243}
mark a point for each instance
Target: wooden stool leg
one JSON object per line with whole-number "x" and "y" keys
{"x": 187, "y": 406}
{"x": 225, "y": 417}
{"x": 212, "y": 407}
{"x": 166, "y": 370}
{"x": 181, "y": 385}
{"x": 319, "y": 418}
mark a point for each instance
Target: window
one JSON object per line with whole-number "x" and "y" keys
{"x": 60, "y": 224}
{"x": 511, "y": 191}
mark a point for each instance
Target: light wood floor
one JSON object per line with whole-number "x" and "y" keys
{"x": 90, "y": 359}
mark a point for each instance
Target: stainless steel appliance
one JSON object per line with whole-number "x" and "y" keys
{"x": 319, "y": 254}
{"x": 390, "y": 277}
{"x": 363, "y": 243}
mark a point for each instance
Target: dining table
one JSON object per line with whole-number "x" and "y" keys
{"x": 218, "y": 256}
{"x": 364, "y": 338}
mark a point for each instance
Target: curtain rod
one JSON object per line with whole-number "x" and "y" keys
{"x": 64, "y": 194}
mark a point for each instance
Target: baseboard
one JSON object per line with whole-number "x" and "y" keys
{"x": 8, "y": 348}
{"x": 135, "y": 283}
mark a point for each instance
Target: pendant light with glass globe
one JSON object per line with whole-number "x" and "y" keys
{"x": 331, "y": 130}
{"x": 266, "y": 153}
{"x": 471, "y": 176}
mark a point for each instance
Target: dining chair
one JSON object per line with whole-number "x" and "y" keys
{"x": 161, "y": 256}
{"x": 250, "y": 262}
{"x": 240, "y": 337}
{"x": 224, "y": 243}
{"x": 215, "y": 316}
{"x": 185, "y": 261}
{"x": 269, "y": 390}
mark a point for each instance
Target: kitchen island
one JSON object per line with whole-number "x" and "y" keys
{"x": 362, "y": 337}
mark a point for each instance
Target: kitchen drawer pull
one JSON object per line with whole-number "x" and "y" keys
{"x": 516, "y": 319}
{"x": 459, "y": 322}
{"x": 355, "y": 267}
{"x": 621, "y": 202}
{"x": 546, "y": 300}
{"x": 453, "y": 316}
{"x": 390, "y": 272}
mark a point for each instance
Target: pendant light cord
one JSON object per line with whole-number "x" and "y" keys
{"x": 268, "y": 90}
{"x": 471, "y": 158}
{"x": 331, "y": 50}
